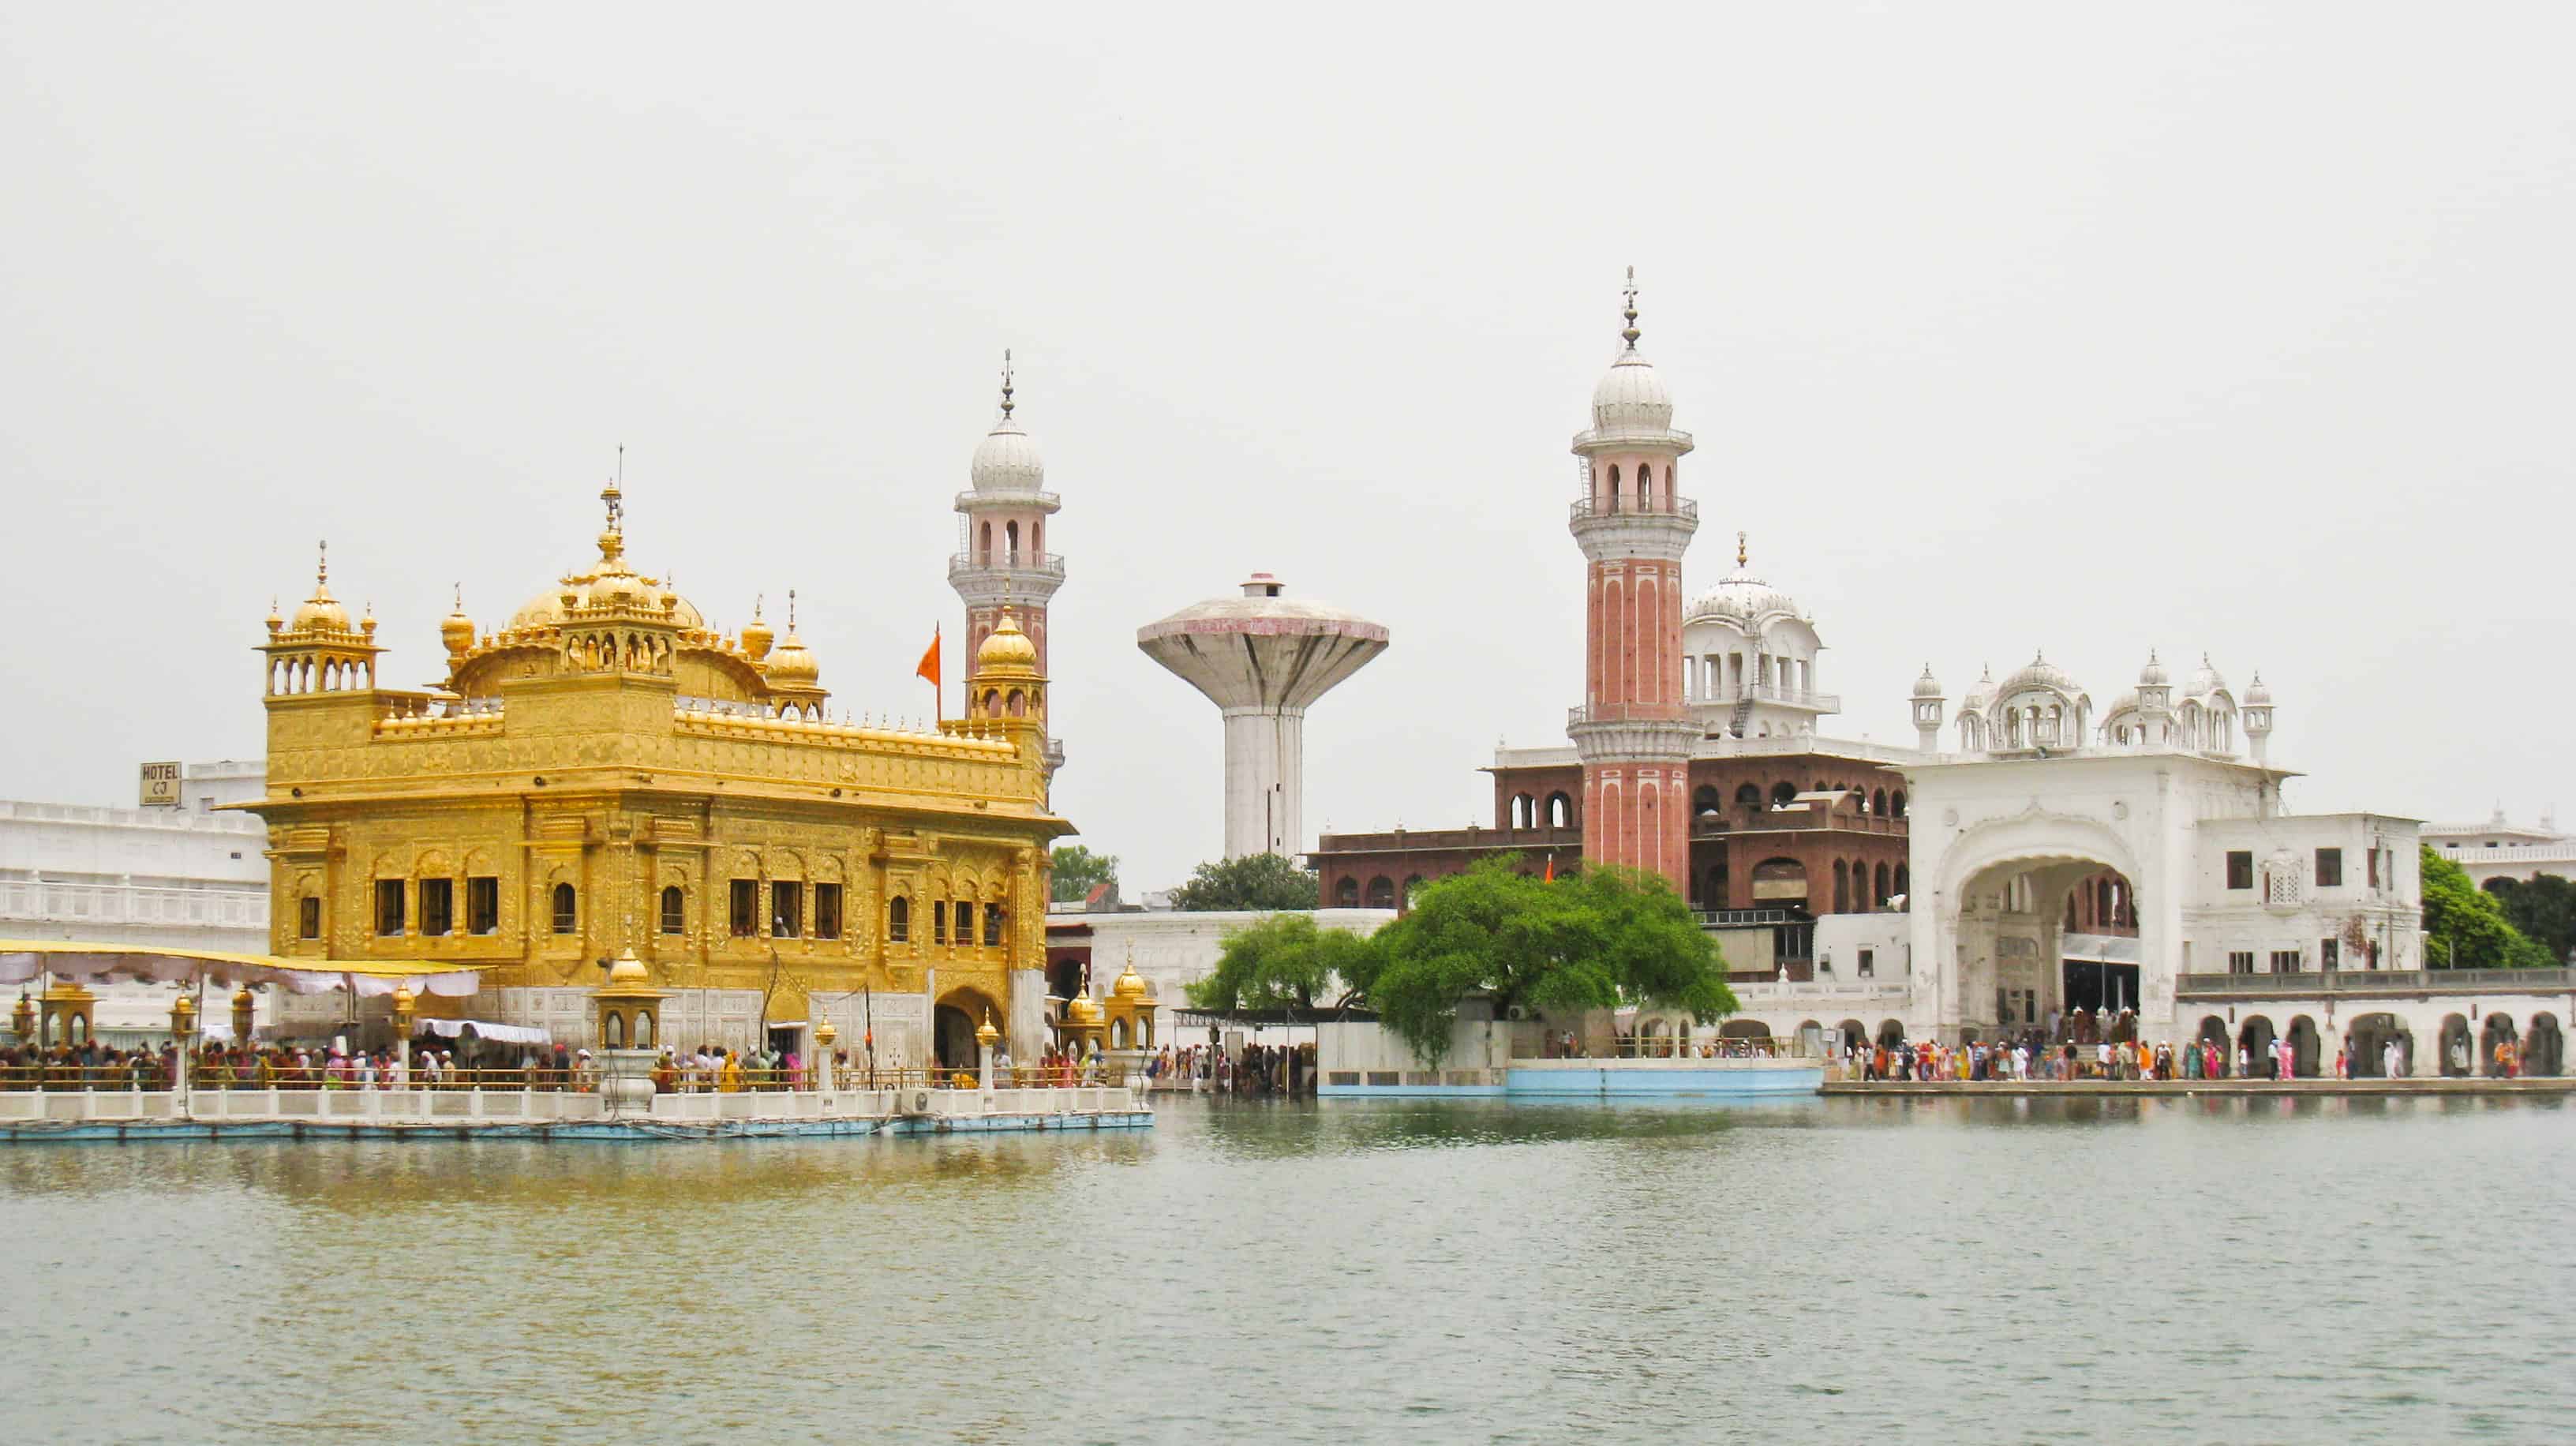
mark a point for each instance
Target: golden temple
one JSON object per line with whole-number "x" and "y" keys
{"x": 607, "y": 772}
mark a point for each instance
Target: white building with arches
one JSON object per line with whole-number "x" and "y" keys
{"x": 2138, "y": 870}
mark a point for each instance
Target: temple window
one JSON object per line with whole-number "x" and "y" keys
{"x": 965, "y": 924}
{"x": 938, "y": 922}
{"x": 746, "y": 908}
{"x": 786, "y": 910}
{"x": 827, "y": 911}
{"x": 483, "y": 905}
{"x": 2329, "y": 868}
{"x": 308, "y": 917}
{"x": 389, "y": 906}
{"x": 899, "y": 920}
{"x": 2240, "y": 869}
{"x": 992, "y": 925}
{"x": 675, "y": 910}
{"x": 567, "y": 909}
{"x": 614, "y": 1033}
{"x": 643, "y": 1029}
{"x": 437, "y": 906}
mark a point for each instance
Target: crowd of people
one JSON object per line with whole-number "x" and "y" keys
{"x": 1258, "y": 1069}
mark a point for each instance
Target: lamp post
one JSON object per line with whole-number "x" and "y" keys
{"x": 22, "y": 1019}
{"x": 403, "y": 1005}
{"x": 245, "y": 1006}
{"x": 824, "y": 1035}
{"x": 183, "y": 1028}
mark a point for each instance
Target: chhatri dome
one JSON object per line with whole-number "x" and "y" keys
{"x": 1631, "y": 397}
{"x": 1006, "y": 649}
{"x": 322, "y": 612}
{"x": 793, "y": 663}
{"x": 1743, "y": 595}
{"x": 1006, "y": 460}
{"x": 609, "y": 581}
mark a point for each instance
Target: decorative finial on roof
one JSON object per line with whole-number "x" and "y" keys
{"x": 1006, "y": 384}
{"x": 1629, "y": 296}
{"x": 791, "y": 610}
{"x": 756, "y": 600}
{"x": 1742, "y": 555}
{"x": 460, "y": 596}
{"x": 614, "y": 494}
{"x": 322, "y": 568}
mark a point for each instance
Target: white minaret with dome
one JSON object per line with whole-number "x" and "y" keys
{"x": 1001, "y": 558}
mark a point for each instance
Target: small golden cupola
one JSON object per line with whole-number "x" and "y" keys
{"x": 756, "y": 636}
{"x": 794, "y": 678}
{"x": 1006, "y": 683}
{"x": 318, "y": 651}
{"x": 457, "y": 630}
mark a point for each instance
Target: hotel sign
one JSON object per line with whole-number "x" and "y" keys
{"x": 161, "y": 785}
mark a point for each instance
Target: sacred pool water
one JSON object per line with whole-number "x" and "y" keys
{"x": 1815, "y": 1270}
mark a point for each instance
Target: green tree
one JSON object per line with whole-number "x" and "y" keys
{"x": 2543, "y": 908}
{"x": 1284, "y": 960}
{"x": 2465, "y": 927}
{"x": 1600, "y": 939}
{"x": 1254, "y": 881}
{"x": 1077, "y": 871}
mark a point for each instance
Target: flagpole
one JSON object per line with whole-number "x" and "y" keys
{"x": 938, "y": 690}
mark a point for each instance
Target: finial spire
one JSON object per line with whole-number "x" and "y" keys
{"x": 1628, "y": 295}
{"x": 1006, "y": 384}
{"x": 1743, "y": 557}
{"x": 322, "y": 567}
{"x": 756, "y": 600}
{"x": 791, "y": 610}
{"x": 614, "y": 494}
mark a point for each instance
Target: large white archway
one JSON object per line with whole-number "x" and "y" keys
{"x": 1995, "y": 932}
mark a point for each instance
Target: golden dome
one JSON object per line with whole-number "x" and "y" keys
{"x": 628, "y": 971}
{"x": 1007, "y": 649}
{"x": 985, "y": 1033}
{"x": 1130, "y": 985}
{"x": 1082, "y": 1009}
{"x": 457, "y": 630}
{"x": 756, "y": 635}
{"x": 793, "y": 664}
{"x": 609, "y": 580}
{"x": 322, "y": 611}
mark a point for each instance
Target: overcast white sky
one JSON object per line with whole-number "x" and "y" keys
{"x": 2230, "y": 326}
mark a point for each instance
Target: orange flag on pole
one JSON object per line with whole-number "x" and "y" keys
{"x": 1551, "y": 870}
{"x": 929, "y": 671}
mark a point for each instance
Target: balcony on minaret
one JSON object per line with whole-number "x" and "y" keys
{"x": 1589, "y": 507}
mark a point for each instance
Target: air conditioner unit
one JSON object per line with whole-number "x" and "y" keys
{"x": 920, "y": 1102}
{"x": 1516, "y": 1012}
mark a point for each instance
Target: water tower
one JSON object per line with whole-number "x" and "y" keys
{"x": 1264, "y": 659}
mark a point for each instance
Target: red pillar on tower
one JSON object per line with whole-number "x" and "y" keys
{"x": 1632, "y": 732}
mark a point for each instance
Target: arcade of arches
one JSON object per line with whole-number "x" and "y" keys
{"x": 1843, "y": 856}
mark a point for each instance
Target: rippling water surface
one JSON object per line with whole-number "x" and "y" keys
{"x": 2259, "y": 1270}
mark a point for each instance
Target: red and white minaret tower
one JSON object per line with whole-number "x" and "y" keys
{"x": 1001, "y": 540}
{"x": 1633, "y": 732}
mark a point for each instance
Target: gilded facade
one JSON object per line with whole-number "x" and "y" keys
{"x": 606, "y": 771}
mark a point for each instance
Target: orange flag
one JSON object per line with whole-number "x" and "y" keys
{"x": 1551, "y": 870}
{"x": 929, "y": 669}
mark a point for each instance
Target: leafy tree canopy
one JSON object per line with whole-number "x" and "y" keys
{"x": 1599, "y": 939}
{"x": 1285, "y": 960}
{"x": 2543, "y": 909}
{"x": 1077, "y": 871}
{"x": 2466, "y": 928}
{"x": 1254, "y": 881}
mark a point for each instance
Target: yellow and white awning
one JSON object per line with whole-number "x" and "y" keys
{"x": 21, "y": 960}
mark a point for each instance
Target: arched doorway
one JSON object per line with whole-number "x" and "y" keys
{"x": 1853, "y": 1034}
{"x": 2213, "y": 1030}
{"x": 2544, "y": 1049}
{"x": 2006, "y": 893}
{"x": 1811, "y": 1039}
{"x": 2304, "y": 1047}
{"x": 2254, "y": 1038}
{"x": 953, "y": 1025}
{"x": 1890, "y": 1033}
{"x": 2456, "y": 1060}
{"x": 2498, "y": 1031}
{"x": 2368, "y": 1047}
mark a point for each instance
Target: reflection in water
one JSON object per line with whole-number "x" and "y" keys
{"x": 1417, "y": 1270}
